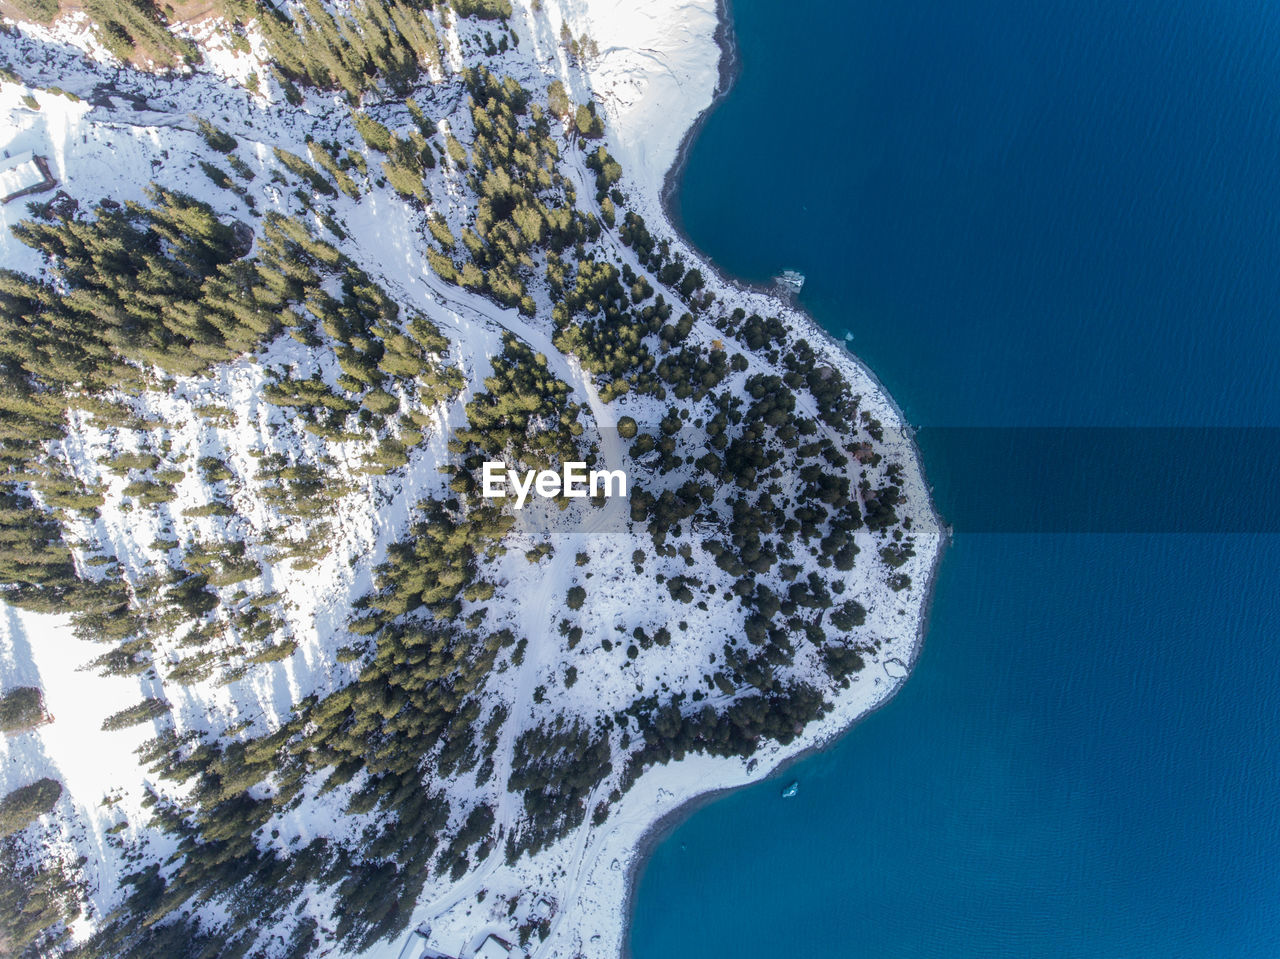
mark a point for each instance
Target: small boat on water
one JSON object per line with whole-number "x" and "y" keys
{"x": 792, "y": 281}
{"x": 790, "y": 791}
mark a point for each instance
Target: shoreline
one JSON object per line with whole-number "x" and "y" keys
{"x": 665, "y": 826}
{"x": 728, "y": 69}
{"x": 661, "y": 829}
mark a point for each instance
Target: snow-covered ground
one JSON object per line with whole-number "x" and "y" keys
{"x": 658, "y": 70}
{"x": 653, "y": 68}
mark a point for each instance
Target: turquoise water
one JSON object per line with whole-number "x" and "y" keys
{"x": 1049, "y": 214}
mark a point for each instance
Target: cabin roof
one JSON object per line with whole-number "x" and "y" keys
{"x": 22, "y": 174}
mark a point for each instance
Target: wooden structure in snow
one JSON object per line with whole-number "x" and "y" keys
{"x": 23, "y": 175}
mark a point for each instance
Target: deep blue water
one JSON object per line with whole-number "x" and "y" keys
{"x": 1032, "y": 214}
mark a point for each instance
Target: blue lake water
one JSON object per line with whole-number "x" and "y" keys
{"x": 1028, "y": 214}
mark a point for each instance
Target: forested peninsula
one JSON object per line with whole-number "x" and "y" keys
{"x": 276, "y": 677}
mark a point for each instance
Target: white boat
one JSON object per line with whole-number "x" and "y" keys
{"x": 790, "y": 280}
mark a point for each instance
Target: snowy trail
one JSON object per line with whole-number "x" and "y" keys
{"x": 464, "y": 311}
{"x": 395, "y": 242}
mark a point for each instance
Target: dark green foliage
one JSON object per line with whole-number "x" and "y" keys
{"x": 217, "y": 139}
{"x": 607, "y": 170}
{"x": 275, "y": 653}
{"x": 219, "y": 177}
{"x": 669, "y": 733}
{"x": 483, "y": 9}
{"x": 555, "y": 768}
{"x": 375, "y": 135}
{"x": 670, "y": 507}
{"x": 636, "y": 235}
{"x": 313, "y": 396}
{"x": 41, "y": 11}
{"x": 440, "y": 230}
{"x": 221, "y": 564}
{"x": 828, "y": 386}
{"x": 33, "y": 560}
{"x": 475, "y": 829}
{"x": 420, "y": 119}
{"x": 305, "y": 170}
{"x": 331, "y": 166}
{"x": 240, "y": 168}
{"x": 432, "y": 569}
{"x": 524, "y": 413}
{"x": 149, "y": 492}
{"x": 848, "y": 615}
{"x": 36, "y": 901}
{"x": 691, "y": 283}
{"x": 896, "y": 554}
{"x": 758, "y": 334}
{"x": 416, "y": 694}
{"x": 678, "y": 587}
{"x": 693, "y": 371}
{"x": 810, "y": 593}
{"x": 192, "y": 596}
{"x": 369, "y": 338}
{"x": 587, "y": 122}
{"x": 842, "y": 660}
{"x": 371, "y": 42}
{"x": 133, "y": 287}
{"x": 524, "y": 203}
{"x": 880, "y": 507}
{"x": 745, "y": 456}
{"x": 214, "y": 470}
{"x": 595, "y": 321}
{"x": 28, "y": 803}
{"x": 21, "y": 709}
{"x": 144, "y": 711}
{"x": 558, "y": 99}
{"x": 137, "y": 29}
{"x": 161, "y": 284}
